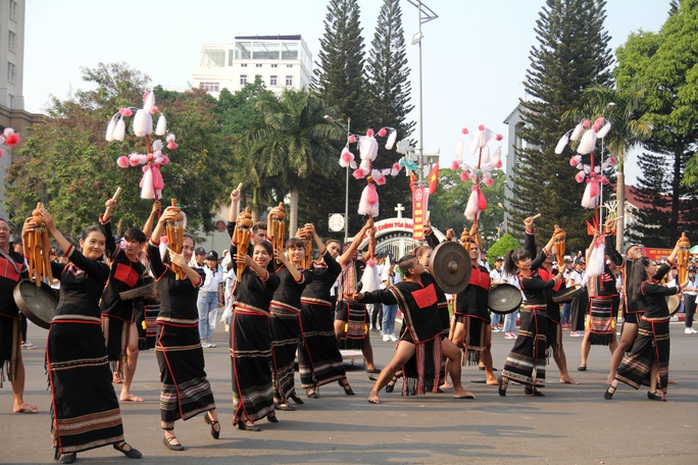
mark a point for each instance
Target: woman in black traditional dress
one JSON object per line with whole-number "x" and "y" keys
{"x": 84, "y": 407}
{"x": 285, "y": 309}
{"x": 319, "y": 359}
{"x": 649, "y": 356}
{"x": 250, "y": 338}
{"x": 526, "y": 361}
{"x": 185, "y": 391}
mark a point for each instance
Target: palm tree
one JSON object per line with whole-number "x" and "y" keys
{"x": 629, "y": 128}
{"x": 294, "y": 144}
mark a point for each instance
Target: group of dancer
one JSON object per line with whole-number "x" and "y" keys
{"x": 282, "y": 308}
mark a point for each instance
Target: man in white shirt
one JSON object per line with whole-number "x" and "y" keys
{"x": 496, "y": 276}
{"x": 389, "y": 278}
{"x": 210, "y": 298}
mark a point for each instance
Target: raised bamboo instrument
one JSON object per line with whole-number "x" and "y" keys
{"x": 559, "y": 244}
{"x": 682, "y": 257}
{"x": 175, "y": 236}
{"x": 37, "y": 247}
{"x": 307, "y": 237}
{"x": 276, "y": 229}
{"x": 242, "y": 237}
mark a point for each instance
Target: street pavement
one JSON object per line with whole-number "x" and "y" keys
{"x": 570, "y": 425}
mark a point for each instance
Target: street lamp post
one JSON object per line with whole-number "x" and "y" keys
{"x": 346, "y": 187}
{"x": 425, "y": 15}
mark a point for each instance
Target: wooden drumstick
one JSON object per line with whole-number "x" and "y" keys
{"x": 537, "y": 215}
{"x": 116, "y": 195}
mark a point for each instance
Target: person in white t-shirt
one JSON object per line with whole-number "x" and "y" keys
{"x": 389, "y": 278}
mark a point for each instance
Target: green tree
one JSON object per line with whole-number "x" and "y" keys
{"x": 502, "y": 247}
{"x": 67, "y": 163}
{"x": 572, "y": 54}
{"x": 294, "y": 144}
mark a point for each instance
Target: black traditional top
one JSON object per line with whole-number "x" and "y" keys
{"x": 288, "y": 294}
{"x": 418, "y": 303}
{"x": 654, "y": 301}
{"x": 534, "y": 289}
{"x": 325, "y": 274}
{"x": 552, "y": 308}
{"x": 637, "y": 305}
{"x": 82, "y": 284}
{"x": 8, "y": 280}
{"x": 177, "y": 296}
{"x": 123, "y": 275}
{"x": 473, "y": 299}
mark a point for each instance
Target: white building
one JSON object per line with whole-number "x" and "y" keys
{"x": 12, "y": 112}
{"x": 280, "y": 61}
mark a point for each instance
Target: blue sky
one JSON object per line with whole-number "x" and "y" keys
{"x": 475, "y": 54}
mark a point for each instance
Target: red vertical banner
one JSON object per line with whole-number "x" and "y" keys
{"x": 420, "y": 206}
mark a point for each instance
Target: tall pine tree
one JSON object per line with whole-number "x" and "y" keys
{"x": 340, "y": 80}
{"x": 572, "y": 53}
{"x": 389, "y": 89}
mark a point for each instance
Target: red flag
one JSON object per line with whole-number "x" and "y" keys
{"x": 591, "y": 230}
{"x": 413, "y": 179}
{"x": 433, "y": 178}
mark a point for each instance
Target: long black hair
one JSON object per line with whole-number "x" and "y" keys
{"x": 636, "y": 276}
{"x": 512, "y": 258}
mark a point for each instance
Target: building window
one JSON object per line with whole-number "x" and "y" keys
{"x": 258, "y": 65}
{"x": 289, "y": 66}
{"x": 243, "y": 79}
{"x": 274, "y": 65}
{"x": 11, "y": 72}
{"x": 209, "y": 86}
{"x": 243, "y": 65}
{"x": 11, "y": 41}
{"x": 273, "y": 81}
{"x": 13, "y": 9}
{"x": 289, "y": 81}
{"x": 12, "y": 100}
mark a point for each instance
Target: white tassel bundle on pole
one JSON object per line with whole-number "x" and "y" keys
{"x": 590, "y": 199}
{"x": 147, "y": 189}
{"x": 368, "y": 204}
{"x": 370, "y": 280}
{"x": 471, "y": 208}
{"x": 588, "y": 142}
{"x": 597, "y": 260}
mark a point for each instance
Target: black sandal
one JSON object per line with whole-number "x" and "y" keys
{"x": 297, "y": 399}
{"x": 608, "y": 395}
{"x": 170, "y": 445}
{"x": 346, "y": 386}
{"x": 532, "y": 391}
{"x": 502, "y": 386}
{"x": 390, "y": 387}
{"x": 130, "y": 452}
{"x": 247, "y": 425}
{"x": 214, "y": 433}
{"x": 271, "y": 418}
{"x": 655, "y": 396}
{"x": 68, "y": 458}
{"x": 311, "y": 392}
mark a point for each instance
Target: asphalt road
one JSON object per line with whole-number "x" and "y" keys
{"x": 570, "y": 425}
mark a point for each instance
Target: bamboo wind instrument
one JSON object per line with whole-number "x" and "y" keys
{"x": 307, "y": 237}
{"x": 37, "y": 247}
{"x": 175, "y": 237}
{"x": 276, "y": 229}
{"x": 682, "y": 257}
{"x": 559, "y": 244}
{"x": 242, "y": 237}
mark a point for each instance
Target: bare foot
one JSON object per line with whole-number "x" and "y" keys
{"x": 373, "y": 398}
{"x": 671, "y": 381}
{"x": 445, "y": 387}
{"x": 569, "y": 380}
{"x": 491, "y": 381}
{"x": 463, "y": 394}
{"x": 25, "y": 408}
{"x": 129, "y": 397}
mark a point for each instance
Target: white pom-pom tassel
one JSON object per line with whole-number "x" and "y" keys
{"x": 391, "y": 140}
{"x": 368, "y": 204}
{"x": 149, "y": 103}
{"x": 147, "y": 190}
{"x": 577, "y": 131}
{"x": 120, "y": 130}
{"x": 140, "y": 124}
{"x": 459, "y": 150}
{"x": 365, "y": 166}
{"x": 590, "y": 199}
{"x": 473, "y": 146}
{"x": 562, "y": 143}
{"x": 588, "y": 142}
{"x": 497, "y": 157}
{"x": 368, "y": 148}
{"x": 597, "y": 260}
{"x": 471, "y": 208}
{"x": 370, "y": 281}
{"x": 604, "y": 130}
{"x": 110, "y": 130}
{"x": 161, "y": 128}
